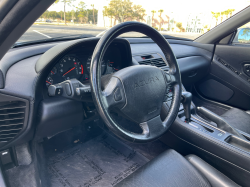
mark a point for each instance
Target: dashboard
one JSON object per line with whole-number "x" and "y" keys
{"x": 56, "y": 62}
{"x": 76, "y": 65}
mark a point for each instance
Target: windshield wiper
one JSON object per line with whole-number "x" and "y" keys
{"x": 61, "y": 38}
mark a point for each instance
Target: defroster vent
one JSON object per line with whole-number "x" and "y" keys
{"x": 12, "y": 115}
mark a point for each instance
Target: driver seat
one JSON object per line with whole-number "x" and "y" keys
{"x": 173, "y": 170}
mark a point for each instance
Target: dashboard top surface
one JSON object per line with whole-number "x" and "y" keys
{"x": 26, "y": 58}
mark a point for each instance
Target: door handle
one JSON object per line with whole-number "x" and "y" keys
{"x": 246, "y": 69}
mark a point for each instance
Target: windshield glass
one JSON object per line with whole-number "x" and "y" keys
{"x": 87, "y": 18}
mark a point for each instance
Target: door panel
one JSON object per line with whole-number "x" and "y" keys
{"x": 227, "y": 69}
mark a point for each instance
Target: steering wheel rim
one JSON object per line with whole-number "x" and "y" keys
{"x": 152, "y": 128}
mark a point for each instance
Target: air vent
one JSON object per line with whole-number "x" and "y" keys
{"x": 145, "y": 62}
{"x": 12, "y": 116}
{"x": 157, "y": 62}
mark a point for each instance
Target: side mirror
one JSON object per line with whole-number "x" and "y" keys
{"x": 244, "y": 35}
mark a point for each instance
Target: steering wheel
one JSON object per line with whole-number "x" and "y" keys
{"x": 137, "y": 92}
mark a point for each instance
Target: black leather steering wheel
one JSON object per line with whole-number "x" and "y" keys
{"x": 137, "y": 92}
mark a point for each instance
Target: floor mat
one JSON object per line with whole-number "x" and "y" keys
{"x": 149, "y": 150}
{"x": 102, "y": 161}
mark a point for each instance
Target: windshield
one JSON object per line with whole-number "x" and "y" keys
{"x": 87, "y": 18}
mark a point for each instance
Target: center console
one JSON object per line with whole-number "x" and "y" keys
{"x": 225, "y": 148}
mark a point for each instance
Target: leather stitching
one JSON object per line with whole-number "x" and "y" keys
{"x": 190, "y": 159}
{"x": 220, "y": 143}
{"x": 210, "y": 153}
{"x": 216, "y": 116}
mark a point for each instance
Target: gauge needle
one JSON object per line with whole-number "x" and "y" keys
{"x": 48, "y": 82}
{"x": 52, "y": 72}
{"x": 69, "y": 71}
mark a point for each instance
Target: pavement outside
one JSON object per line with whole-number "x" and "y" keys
{"x": 45, "y": 31}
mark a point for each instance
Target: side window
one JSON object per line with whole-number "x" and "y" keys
{"x": 243, "y": 35}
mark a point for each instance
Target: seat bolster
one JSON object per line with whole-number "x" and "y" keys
{"x": 215, "y": 177}
{"x": 169, "y": 169}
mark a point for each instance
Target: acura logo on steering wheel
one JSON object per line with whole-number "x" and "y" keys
{"x": 145, "y": 82}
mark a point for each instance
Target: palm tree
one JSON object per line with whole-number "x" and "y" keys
{"x": 105, "y": 13}
{"x": 246, "y": 33}
{"x": 160, "y": 18}
{"x": 111, "y": 15}
{"x": 216, "y": 15}
{"x": 221, "y": 14}
{"x": 65, "y": 2}
{"x": 153, "y": 13}
{"x": 81, "y": 10}
{"x": 231, "y": 11}
{"x": 226, "y": 12}
{"x": 93, "y": 12}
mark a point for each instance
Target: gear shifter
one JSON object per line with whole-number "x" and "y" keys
{"x": 186, "y": 100}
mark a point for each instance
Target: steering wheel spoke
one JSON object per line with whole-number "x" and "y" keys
{"x": 152, "y": 127}
{"x": 113, "y": 94}
{"x": 171, "y": 79}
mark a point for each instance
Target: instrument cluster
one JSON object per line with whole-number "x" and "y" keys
{"x": 77, "y": 66}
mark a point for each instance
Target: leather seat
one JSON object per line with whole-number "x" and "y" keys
{"x": 173, "y": 170}
{"x": 239, "y": 119}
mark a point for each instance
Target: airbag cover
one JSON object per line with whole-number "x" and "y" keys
{"x": 145, "y": 87}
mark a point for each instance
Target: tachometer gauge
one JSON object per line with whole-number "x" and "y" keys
{"x": 113, "y": 65}
{"x": 70, "y": 67}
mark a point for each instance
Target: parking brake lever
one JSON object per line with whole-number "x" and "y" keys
{"x": 221, "y": 123}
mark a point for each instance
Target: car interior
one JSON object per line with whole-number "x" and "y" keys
{"x": 113, "y": 111}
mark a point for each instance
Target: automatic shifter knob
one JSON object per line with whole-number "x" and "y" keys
{"x": 186, "y": 100}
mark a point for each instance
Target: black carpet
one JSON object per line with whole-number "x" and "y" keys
{"x": 102, "y": 161}
{"x": 21, "y": 176}
{"x": 149, "y": 150}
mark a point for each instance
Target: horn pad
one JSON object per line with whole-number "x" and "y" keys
{"x": 145, "y": 88}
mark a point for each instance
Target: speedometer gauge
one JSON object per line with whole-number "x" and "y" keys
{"x": 70, "y": 67}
